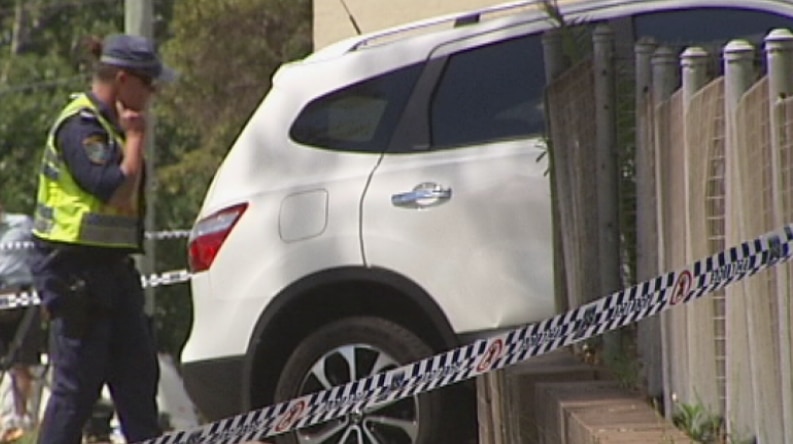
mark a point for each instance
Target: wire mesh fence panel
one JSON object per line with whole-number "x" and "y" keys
{"x": 625, "y": 114}
{"x": 715, "y": 212}
{"x": 573, "y": 133}
{"x": 648, "y": 341}
{"x": 677, "y": 241}
{"x": 755, "y": 165}
{"x": 784, "y": 119}
{"x": 671, "y": 154}
{"x": 704, "y": 141}
{"x": 739, "y": 409}
{"x": 718, "y": 179}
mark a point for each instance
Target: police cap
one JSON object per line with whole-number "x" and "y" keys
{"x": 137, "y": 54}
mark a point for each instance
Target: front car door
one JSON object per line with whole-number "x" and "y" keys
{"x": 461, "y": 203}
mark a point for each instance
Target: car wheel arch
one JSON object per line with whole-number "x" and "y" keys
{"x": 286, "y": 321}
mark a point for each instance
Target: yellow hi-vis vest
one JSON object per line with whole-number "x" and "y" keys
{"x": 67, "y": 213}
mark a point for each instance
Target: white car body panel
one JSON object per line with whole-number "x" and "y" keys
{"x": 255, "y": 263}
{"x": 485, "y": 254}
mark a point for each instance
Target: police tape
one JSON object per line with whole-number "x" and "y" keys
{"x": 608, "y": 313}
{"x": 153, "y": 235}
{"x": 16, "y": 245}
{"x": 167, "y": 234}
{"x": 21, "y": 299}
{"x": 165, "y": 278}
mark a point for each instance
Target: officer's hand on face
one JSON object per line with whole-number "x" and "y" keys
{"x": 132, "y": 122}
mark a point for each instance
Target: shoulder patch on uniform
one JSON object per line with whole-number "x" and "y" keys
{"x": 87, "y": 114}
{"x": 97, "y": 149}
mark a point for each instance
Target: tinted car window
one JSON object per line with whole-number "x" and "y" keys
{"x": 490, "y": 93}
{"x": 360, "y": 117}
{"x": 714, "y": 26}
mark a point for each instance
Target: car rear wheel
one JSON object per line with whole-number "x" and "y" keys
{"x": 351, "y": 349}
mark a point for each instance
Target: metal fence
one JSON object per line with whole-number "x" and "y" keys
{"x": 722, "y": 150}
{"x": 573, "y": 136}
{"x": 714, "y": 166}
{"x": 591, "y": 116}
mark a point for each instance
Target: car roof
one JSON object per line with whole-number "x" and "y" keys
{"x": 513, "y": 13}
{"x": 361, "y": 57}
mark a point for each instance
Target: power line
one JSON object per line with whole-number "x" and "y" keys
{"x": 44, "y": 84}
{"x": 59, "y": 4}
{"x": 32, "y": 86}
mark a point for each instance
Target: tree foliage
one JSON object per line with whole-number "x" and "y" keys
{"x": 39, "y": 67}
{"x": 225, "y": 51}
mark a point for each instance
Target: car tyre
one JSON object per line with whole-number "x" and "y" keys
{"x": 355, "y": 348}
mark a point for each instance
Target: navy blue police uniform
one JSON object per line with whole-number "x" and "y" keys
{"x": 92, "y": 292}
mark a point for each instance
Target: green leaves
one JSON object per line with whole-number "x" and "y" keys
{"x": 38, "y": 70}
{"x": 30, "y": 99}
{"x": 226, "y": 52}
{"x": 699, "y": 423}
{"x": 575, "y": 34}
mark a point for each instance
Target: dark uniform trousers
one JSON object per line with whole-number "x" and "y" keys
{"x": 99, "y": 335}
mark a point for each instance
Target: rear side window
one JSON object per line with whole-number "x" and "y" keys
{"x": 359, "y": 118}
{"x": 490, "y": 93}
{"x": 713, "y": 26}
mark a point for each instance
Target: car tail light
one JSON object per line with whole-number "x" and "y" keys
{"x": 209, "y": 234}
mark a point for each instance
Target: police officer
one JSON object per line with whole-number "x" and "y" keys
{"x": 88, "y": 221}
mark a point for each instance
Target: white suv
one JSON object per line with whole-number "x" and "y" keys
{"x": 388, "y": 198}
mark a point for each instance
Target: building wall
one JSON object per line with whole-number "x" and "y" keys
{"x": 332, "y": 24}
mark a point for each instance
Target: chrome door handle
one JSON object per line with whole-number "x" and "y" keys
{"x": 423, "y": 195}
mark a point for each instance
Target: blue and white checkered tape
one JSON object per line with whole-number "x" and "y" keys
{"x": 608, "y": 313}
{"x": 153, "y": 235}
{"x": 10, "y": 300}
{"x": 16, "y": 245}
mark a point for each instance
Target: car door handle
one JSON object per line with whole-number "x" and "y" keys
{"x": 423, "y": 195}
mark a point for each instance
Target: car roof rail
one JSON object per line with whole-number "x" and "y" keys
{"x": 458, "y": 19}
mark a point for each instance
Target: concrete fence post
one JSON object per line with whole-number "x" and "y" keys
{"x": 648, "y": 330}
{"x": 779, "y": 57}
{"x": 700, "y": 332}
{"x": 665, "y": 77}
{"x": 607, "y": 174}
{"x": 664, "y": 81}
{"x": 693, "y": 62}
{"x": 665, "y": 73}
{"x": 645, "y": 192}
{"x": 553, "y": 54}
{"x": 738, "y": 73}
{"x": 606, "y": 157}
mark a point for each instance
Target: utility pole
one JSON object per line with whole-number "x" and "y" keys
{"x": 139, "y": 20}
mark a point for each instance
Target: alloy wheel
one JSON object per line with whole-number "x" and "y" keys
{"x": 389, "y": 423}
